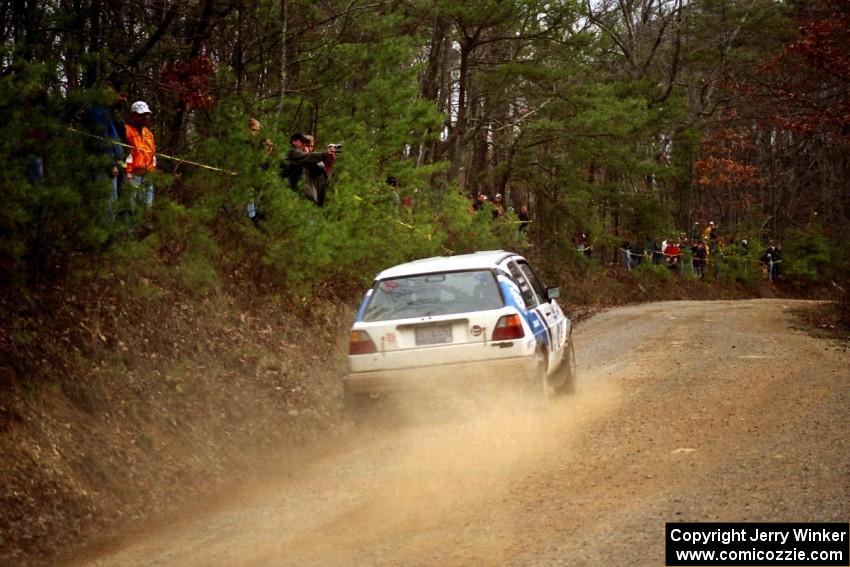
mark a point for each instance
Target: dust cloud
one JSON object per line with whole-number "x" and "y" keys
{"x": 418, "y": 470}
{"x": 434, "y": 464}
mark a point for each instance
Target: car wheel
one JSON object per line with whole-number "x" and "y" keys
{"x": 567, "y": 370}
{"x": 562, "y": 380}
{"x": 542, "y": 381}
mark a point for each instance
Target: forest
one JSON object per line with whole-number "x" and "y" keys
{"x": 152, "y": 342}
{"x": 625, "y": 120}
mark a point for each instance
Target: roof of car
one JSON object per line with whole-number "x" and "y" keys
{"x": 477, "y": 261}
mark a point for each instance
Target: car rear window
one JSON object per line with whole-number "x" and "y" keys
{"x": 433, "y": 294}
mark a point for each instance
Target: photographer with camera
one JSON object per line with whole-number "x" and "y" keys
{"x": 317, "y": 166}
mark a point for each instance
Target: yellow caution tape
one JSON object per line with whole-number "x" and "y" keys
{"x": 429, "y": 236}
{"x": 196, "y": 164}
{"x": 158, "y": 154}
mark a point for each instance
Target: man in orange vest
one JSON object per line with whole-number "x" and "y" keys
{"x": 142, "y": 158}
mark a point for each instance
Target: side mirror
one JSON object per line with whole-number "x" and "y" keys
{"x": 553, "y": 293}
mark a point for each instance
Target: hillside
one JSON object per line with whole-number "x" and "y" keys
{"x": 115, "y": 408}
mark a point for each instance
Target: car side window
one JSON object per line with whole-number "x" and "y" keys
{"x": 535, "y": 282}
{"x": 524, "y": 285}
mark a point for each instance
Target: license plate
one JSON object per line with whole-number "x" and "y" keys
{"x": 433, "y": 335}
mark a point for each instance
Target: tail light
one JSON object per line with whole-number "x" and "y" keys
{"x": 361, "y": 343}
{"x": 508, "y": 327}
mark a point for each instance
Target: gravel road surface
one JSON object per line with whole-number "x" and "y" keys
{"x": 685, "y": 411}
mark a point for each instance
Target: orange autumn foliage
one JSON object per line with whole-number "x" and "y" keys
{"x": 722, "y": 160}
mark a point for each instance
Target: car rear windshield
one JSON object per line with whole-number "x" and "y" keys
{"x": 433, "y": 294}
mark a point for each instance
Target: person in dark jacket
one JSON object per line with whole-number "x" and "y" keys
{"x": 107, "y": 135}
{"x": 700, "y": 258}
{"x": 772, "y": 258}
{"x": 305, "y": 170}
{"x": 524, "y": 220}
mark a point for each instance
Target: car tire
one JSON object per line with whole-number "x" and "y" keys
{"x": 567, "y": 370}
{"x": 562, "y": 380}
{"x": 542, "y": 380}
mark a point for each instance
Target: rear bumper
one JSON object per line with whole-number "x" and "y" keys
{"x": 464, "y": 375}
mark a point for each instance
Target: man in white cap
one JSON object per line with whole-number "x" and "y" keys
{"x": 142, "y": 158}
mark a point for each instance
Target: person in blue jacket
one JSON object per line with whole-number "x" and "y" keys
{"x": 106, "y": 130}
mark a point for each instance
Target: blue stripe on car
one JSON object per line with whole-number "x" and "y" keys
{"x": 533, "y": 320}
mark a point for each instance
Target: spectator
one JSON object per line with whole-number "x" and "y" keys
{"x": 301, "y": 160}
{"x": 710, "y": 236}
{"x": 744, "y": 251}
{"x": 672, "y": 252}
{"x": 700, "y": 258}
{"x": 627, "y": 255}
{"x": 584, "y": 247}
{"x": 254, "y": 126}
{"x": 391, "y": 195}
{"x": 771, "y": 259}
{"x": 657, "y": 253}
{"x": 637, "y": 252}
{"x": 479, "y": 202}
{"x": 632, "y": 255}
{"x": 524, "y": 220}
{"x": 318, "y": 174}
{"x": 664, "y": 245}
{"x": 498, "y": 206}
{"x": 142, "y": 159}
{"x": 102, "y": 122}
{"x": 265, "y": 148}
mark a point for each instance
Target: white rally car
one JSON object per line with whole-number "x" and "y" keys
{"x": 457, "y": 321}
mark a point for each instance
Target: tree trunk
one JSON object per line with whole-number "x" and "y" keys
{"x": 93, "y": 66}
{"x": 432, "y": 82}
{"x": 284, "y": 23}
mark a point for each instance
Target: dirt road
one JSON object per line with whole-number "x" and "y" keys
{"x": 686, "y": 411}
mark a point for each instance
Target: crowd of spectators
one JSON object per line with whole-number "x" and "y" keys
{"x": 120, "y": 140}
{"x": 499, "y": 211}
{"x": 126, "y": 148}
{"x": 125, "y": 145}
{"x": 706, "y": 248}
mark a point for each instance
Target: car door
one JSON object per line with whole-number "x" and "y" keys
{"x": 538, "y": 311}
{"x": 550, "y": 313}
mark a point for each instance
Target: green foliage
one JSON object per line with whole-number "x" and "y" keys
{"x": 54, "y": 206}
{"x": 686, "y": 265}
{"x": 298, "y": 246}
{"x": 596, "y": 133}
{"x": 738, "y": 264}
{"x": 809, "y": 256}
{"x": 650, "y": 273}
{"x": 644, "y": 216}
{"x": 187, "y": 247}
